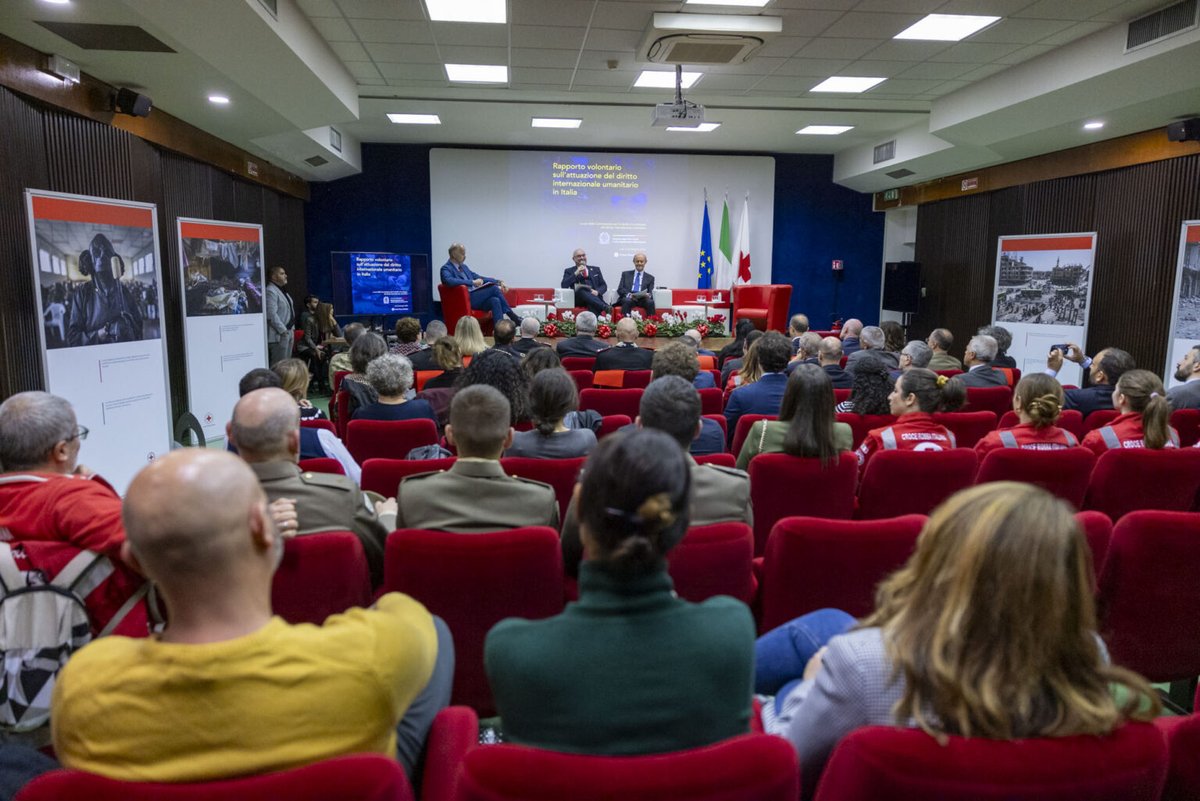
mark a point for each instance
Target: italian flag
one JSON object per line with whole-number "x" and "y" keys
{"x": 724, "y": 278}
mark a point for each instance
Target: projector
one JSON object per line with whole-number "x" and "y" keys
{"x": 677, "y": 115}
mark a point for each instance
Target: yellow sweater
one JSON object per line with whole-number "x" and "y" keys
{"x": 284, "y": 696}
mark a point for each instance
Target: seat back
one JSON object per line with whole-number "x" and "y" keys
{"x": 315, "y": 423}
{"x": 359, "y": 777}
{"x": 331, "y": 560}
{"x": 989, "y": 399}
{"x": 1183, "y": 776}
{"x": 578, "y": 362}
{"x": 637, "y": 379}
{"x": 384, "y": 475}
{"x": 753, "y": 767}
{"x": 388, "y": 439}
{"x": 968, "y": 427}
{"x": 423, "y": 377}
{"x": 883, "y": 762}
{"x": 1187, "y": 423}
{"x": 612, "y": 423}
{"x": 1148, "y": 594}
{"x": 913, "y": 482}
{"x": 558, "y": 473}
{"x": 612, "y": 401}
{"x": 582, "y": 378}
{"x": 840, "y": 395}
{"x": 785, "y": 486}
{"x": 1139, "y": 478}
{"x": 861, "y": 424}
{"x": 714, "y": 560}
{"x": 719, "y": 459}
{"x": 322, "y": 465}
{"x": 1097, "y": 530}
{"x": 1099, "y": 419}
{"x": 743, "y": 430}
{"x": 1064, "y": 472}
{"x": 608, "y": 379}
{"x": 456, "y": 303}
{"x": 337, "y": 380}
{"x": 814, "y": 563}
{"x": 341, "y": 402}
{"x": 473, "y": 581}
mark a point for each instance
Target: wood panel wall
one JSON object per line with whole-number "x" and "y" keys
{"x": 1136, "y": 212}
{"x": 45, "y": 148}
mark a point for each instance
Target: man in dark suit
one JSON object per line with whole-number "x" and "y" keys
{"x": 849, "y": 334}
{"x": 765, "y": 395}
{"x": 485, "y": 293}
{"x": 526, "y": 342}
{"x": 625, "y": 355}
{"x": 830, "y": 359}
{"x": 807, "y": 350}
{"x": 978, "y": 361}
{"x": 584, "y": 343}
{"x": 588, "y": 283}
{"x": 423, "y": 359}
{"x": 636, "y": 287}
{"x": 1101, "y": 372}
{"x": 502, "y": 335}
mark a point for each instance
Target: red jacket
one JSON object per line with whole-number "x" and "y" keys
{"x": 912, "y": 432}
{"x": 1123, "y": 432}
{"x": 1027, "y": 437}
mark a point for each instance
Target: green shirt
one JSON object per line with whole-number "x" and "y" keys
{"x": 772, "y": 440}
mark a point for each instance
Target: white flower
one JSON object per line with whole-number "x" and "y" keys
{"x": 636, "y": 314}
{"x": 568, "y": 315}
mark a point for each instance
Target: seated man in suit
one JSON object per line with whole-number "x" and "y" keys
{"x": 873, "y": 346}
{"x": 625, "y": 355}
{"x": 978, "y": 361}
{"x": 849, "y": 335}
{"x": 678, "y": 359}
{"x": 807, "y": 350}
{"x": 940, "y": 341}
{"x": 765, "y": 395}
{"x": 527, "y": 341}
{"x": 830, "y": 359}
{"x": 1100, "y": 373}
{"x": 797, "y": 327}
{"x": 503, "y": 334}
{"x": 584, "y": 343}
{"x": 914, "y": 354}
{"x": 486, "y": 293}
{"x": 475, "y": 494}
{"x": 636, "y": 287}
{"x": 588, "y": 283}
{"x": 423, "y": 359}
{"x": 1187, "y": 394}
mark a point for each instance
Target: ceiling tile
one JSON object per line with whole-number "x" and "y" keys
{"x": 606, "y": 39}
{"x": 755, "y": 66}
{"x": 415, "y": 72}
{"x": 976, "y": 53}
{"x": 362, "y": 69}
{"x": 837, "y": 48}
{"x": 538, "y": 36}
{"x": 813, "y": 67}
{"x": 405, "y": 54}
{"x": 903, "y": 88}
{"x": 907, "y": 50}
{"x": 473, "y": 55}
{"x": 622, "y": 79}
{"x": 382, "y": 9}
{"x": 320, "y": 8}
{"x": 412, "y": 83}
{"x": 1076, "y": 31}
{"x": 726, "y": 83}
{"x": 1123, "y": 12}
{"x": 628, "y": 16}
{"x": 825, "y": 5}
{"x": 783, "y": 46}
{"x": 1024, "y": 54}
{"x": 942, "y": 71}
{"x": 979, "y": 73}
{"x": 1021, "y": 31}
{"x": 561, "y": 77}
{"x": 877, "y": 69}
{"x": 1068, "y": 9}
{"x": 334, "y": 29}
{"x": 470, "y": 34}
{"x": 598, "y": 60}
{"x": 809, "y": 22}
{"x": 552, "y": 12}
{"x": 793, "y": 85}
{"x": 534, "y": 57}
{"x": 998, "y": 8}
{"x": 388, "y": 31}
{"x": 861, "y": 25}
{"x": 372, "y": 81}
{"x": 907, "y": 6}
{"x": 350, "y": 51}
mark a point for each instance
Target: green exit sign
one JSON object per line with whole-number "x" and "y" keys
{"x": 891, "y": 194}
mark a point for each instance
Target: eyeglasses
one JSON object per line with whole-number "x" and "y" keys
{"x": 81, "y": 433}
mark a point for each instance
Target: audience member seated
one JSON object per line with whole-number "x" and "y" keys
{"x": 500, "y": 371}
{"x": 679, "y": 359}
{"x": 1003, "y": 339}
{"x": 978, "y": 361}
{"x": 503, "y": 333}
{"x": 625, "y": 355}
{"x": 227, "y": 689}
{"x": 829, "y": 356}
{"x": 540, "y": 359}
{"x": 449, "y": 359}
{"x": 746, "y": 370}
{"x": 915, "y": 353}
{"x": 766, "y": 394}
{"x": 469, "y": 336}
{"x": 630, "y": 668}
{"x": 530, "y": 327}
{"x": 806, "y": 425}
{"x": 808, "y": 350}
{"x": 423, "y": 359}
{"x": 703, "y": 378}
{"x": 265, "y": 430}
{"x": 940, "y": 341}
{"x": 475, "y": 495}
{"x": 47, "y": 496}
{"x": 1144, "y": 419}
{"x": 737, "y": 364}
{"x": 737, "y": 348}
{"x": 692, "y": 338}
{"x": 1101, "y": 375}
{"x": 1187, "y": 394}
{"x": 849, "y": 335}
{"x": 366, "y": 349}
{"x": 873, "y": 347}
{"x": 1038, "y": 401}
{"x": 552, "y": 396}
{"x": 869, "y": 393}
{"x": 408, "y": 337}
{"x": 487, "y": 294}
{"x": 392, "y": 378}
{"x": 308, "y": 347}
{"x": 797, "y": 326}
{"x": 719, "y": 494}
{"x": 294, "y": 379}
{"x": 917, "y": 395}
{"x": 584, "y": 343}
{"x": 893, "y": 336}
{"x": 988, "y": 631}
{"x": 340, "y": 362}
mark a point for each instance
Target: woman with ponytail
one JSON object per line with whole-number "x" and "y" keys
{"x": 1143, "y": 423}
{"x": 1037, "y": 402}
{"x": 917, "y": 395}
{"x": 552, "y": 396}
{"x": 629, "y": 668}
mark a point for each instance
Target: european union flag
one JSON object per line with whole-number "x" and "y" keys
{"x": 704, "y": 272}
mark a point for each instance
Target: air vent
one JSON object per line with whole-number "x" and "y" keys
{"x": 900, "y": 173}
{"x": 885, "y": 152}
{"x": 705, "y": 38}
{"x": 95, "y": 36}
{"x": 707, "y": 49}
{"x": 1162, "y": 23}
{"x": 316, "y": 161}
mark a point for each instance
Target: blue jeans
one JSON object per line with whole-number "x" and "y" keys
{"x": 490, "y": 298}
{"x": 781, "y": 654}
{"x": 414, "y": 727}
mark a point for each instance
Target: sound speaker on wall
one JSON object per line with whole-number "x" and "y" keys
{"x": 902, "y": 286}
{"x": 1184, "y": 130}
{"x": 127, "y": 101}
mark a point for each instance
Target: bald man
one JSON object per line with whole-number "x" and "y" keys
{"x": 849, "y": 335}
{"x": 265, "y": 430}
{"x": 625, "y": 355}
{"x": 636, "y": 287}
{"x": 227, "y": 689}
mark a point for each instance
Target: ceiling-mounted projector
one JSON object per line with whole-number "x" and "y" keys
{"x": 678, "y": 113}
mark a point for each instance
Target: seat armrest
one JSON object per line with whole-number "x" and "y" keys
{"x": 455, "y": 731}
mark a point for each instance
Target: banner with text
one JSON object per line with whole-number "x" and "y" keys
{"x": 97, "y": 278}
{"x": 1185, "y": 315}
{"x": 224, "y": 331}
{"x": 1043, "y": 296}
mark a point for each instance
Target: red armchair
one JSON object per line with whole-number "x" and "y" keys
{"x": 1063, "y": 472}
{"x": 384, "y": 475}
{"x": 913, "y": 482}
{"x": 332, "y": 561}
{"x": 968, "y": 427}
{"x": 775, "y": 481}
{"x": 765, "y": 304}
{"x": 558, "y": 473}
{"x": 456, "y": 303}
{"x": 714, "y": 560}
{"x": 388, "y": 439}
{"x": 1138, "y": 478}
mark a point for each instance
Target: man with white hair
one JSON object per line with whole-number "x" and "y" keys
{"x": 636, "y": 287}
{"x": 625, "y": 355}
{"x": 526, "y": 342}
{"x": 423, "y": 359}
{"x": 584, "y": 343}
{"x": 807, "y": 350}
{"x": 693, "y": 338}
{"x": 915, "y": 354}
{"x": 873, "y": 347}
{"x": 978, "y": 360}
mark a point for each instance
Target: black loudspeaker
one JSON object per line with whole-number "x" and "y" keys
{"x": 1184, "y": 130}
{"x": 132, "y": 103}
{"x": 902, "y": 286}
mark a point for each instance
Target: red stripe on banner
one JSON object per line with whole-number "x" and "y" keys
{"x": 61, "y": 208}
{"x": 1049, "y": 243}
{"x": 236, "y": 233}
{"x": 1193, "y": 233}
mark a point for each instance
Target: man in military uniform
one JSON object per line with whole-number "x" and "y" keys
{"x": 719, "y": 494}
{"x": 475, "y": 495}
{"x": 265, "y": 429}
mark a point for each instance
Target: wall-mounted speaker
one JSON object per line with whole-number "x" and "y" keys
{"x": 135, "y": 104}
{"x": 902, "y": 286}
{"x": 1184, "y": 130}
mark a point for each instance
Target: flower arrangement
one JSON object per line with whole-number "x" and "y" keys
{"x": 668, "y": 324}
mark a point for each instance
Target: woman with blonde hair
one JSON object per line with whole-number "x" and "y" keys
{"x": 469, "y": 336}
{"x": 295, "y": 377}
{"x": 988, "y": 631}
{"x": 1037, "y": 402}
{"x": 1144, "y": 420}
{"x": 448, "y": 356}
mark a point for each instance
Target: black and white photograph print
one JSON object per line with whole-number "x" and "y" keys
{"x": 1187, "y": 314}
{"x": 1045, "y": 287}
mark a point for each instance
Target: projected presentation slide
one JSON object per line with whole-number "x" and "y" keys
{"x": 381, "y": 283}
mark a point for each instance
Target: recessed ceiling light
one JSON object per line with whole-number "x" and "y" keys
{"x": 824, "y": 130}
{"x": 1093, "y": 126}
{"x": 220, "y": 100}
{"x": 703, "y": 127}
{"x": 477, "y": 73}
{"x": 945, "y": 27}
{"x": 415, "y": 119}
{"x": 748, "y": 24}
{"x": 58, "y": 2}
{"x": 658, "y": 79}
{"x": 748, "y": 3}
{"x": 846, "y": 84}
{"x": 554, "y": 122}
{"x": 466, "y": 10}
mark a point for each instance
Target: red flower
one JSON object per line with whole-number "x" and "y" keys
{"x": 604, "y": 332}
{"x": 551, "y": 330}
{"x": 551, "y": 315}
{"x": 702, "y": 329}
{"x": 654, "y": 318}
{"x": 717, "y": 318}
{"x": 651, "y": 330}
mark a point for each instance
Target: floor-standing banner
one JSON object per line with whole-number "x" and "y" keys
{"x": 96, "y": 272}
{"x": 225, "y": 335}
{"x": 1185, "y": 316}
{"x": 1043, "y": 296}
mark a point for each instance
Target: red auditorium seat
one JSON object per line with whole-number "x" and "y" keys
{"x": 720, "y": 420}
{"x": 752, "y": 767}
{"x": 578, "y": 362}
{"x": 360, "y": 777}
{"x": 1183, "y": 745}
{"x": 743, "y": 429}
{"x": 1099, "y": 419}
{"x": 719, "y": 459}
{"x": 322, "y": 465}
{"x": 1065, "y": 472}
{"x": 582, "y": 378}
{"x": 1148, "y": 595}
{"x": 968, "y": 427}
{"x": 840, "y": 395}
{"x": 878, "y": 762}
{"x": 388, "y": 439}
{"x": 637, "y": 379}
{"x": 989, "y": 399}
{"x": 341, "y": 403}
{"x": 608, "y": 379}
{"x": 1097, "y": 530}
{"x": 861, "y": 424}
{"x": 785, "y": 486}
{"x": 1138, "y": 478}
{"x": 423, "y": 376}
{"x": 1069, "y": 419}
{"x": 612, "y": 423}
{"x": 558, "y": 473}
{"x": 913, "y": 482}
{"x": 612, "y": 401}
{"x": 473, "y": 581}
{"x": 712, "y": 401}
{"x": 337, "y": 380}
{"x": 325, "y": 424}
{"x": 714, "y": 560}
{"x": 1187, "y": 423}
{"x": 384, "y": 475}
{"x": 330, "y": 560}
{"x": 813, "y": 563}
{"x": 949, "y": 373}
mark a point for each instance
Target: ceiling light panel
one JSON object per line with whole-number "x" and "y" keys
{"x": 658, "y": 79}
{"x": 704, "y": 127}
{"x": 220, "y": 100}
{"x": 718, "y": 23}
{"x": 415, "y": 119}
{"x": 824, "y": 130}
{"x": 466, "y": 10}
{"x": 946, "y": 27}
{"x": 554, "y": 122}
{"x": 1093, "y": 126}
{"x": 744, "y": 3}
{"x": 846, "y": 84}
{"x": 477, "y": 73}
